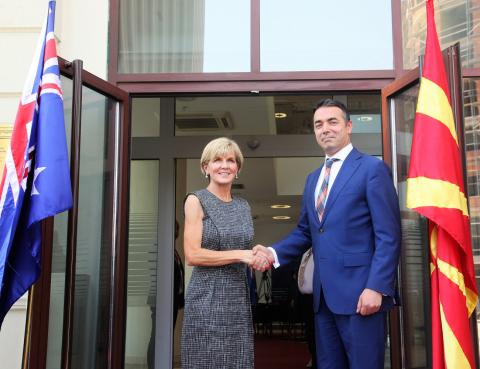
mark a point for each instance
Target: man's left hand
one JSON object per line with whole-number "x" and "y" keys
{"x": 369, "y": 302}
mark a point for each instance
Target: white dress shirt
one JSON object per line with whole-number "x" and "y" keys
{"x": 341, "y": 156}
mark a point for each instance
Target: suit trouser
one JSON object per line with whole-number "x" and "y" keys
{"x": 349, "y": 341}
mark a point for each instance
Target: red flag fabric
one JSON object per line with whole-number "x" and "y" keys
{"x": 435, "y": 189}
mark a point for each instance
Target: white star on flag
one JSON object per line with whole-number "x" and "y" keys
{"x": 37, "y": 172}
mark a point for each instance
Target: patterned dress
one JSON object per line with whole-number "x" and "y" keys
{"x": 217, "y": 327}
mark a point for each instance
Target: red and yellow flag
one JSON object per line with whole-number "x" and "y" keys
{"x": 435, "y": 189}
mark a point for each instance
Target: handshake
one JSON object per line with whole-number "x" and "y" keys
{"x": 260, "y": 258}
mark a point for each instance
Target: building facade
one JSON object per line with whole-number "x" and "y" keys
{"x": 161, "y": 78}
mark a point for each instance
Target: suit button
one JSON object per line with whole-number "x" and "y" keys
{"x": 321, "y": 230}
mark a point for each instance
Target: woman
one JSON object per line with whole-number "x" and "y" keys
{"x": 217, "y": 326}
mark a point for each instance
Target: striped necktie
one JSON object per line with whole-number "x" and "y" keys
{"x": 322, "y": 195}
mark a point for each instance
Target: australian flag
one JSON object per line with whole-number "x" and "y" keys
{"x": 36, "y": 178}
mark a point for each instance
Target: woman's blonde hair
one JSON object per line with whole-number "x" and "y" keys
{"x": 219, "y": 147}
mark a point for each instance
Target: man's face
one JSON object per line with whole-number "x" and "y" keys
{"x": 331, "y": 129}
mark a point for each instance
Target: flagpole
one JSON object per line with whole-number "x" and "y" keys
{"x": 27, "y": 339}
{"x": 454, "y": 68}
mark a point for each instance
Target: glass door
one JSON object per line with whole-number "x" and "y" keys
{"x": 410, "y": 325}
{"x": 78, "y": 302}
{"x": 275, "y": 135}
{"x": 399, "y": 100}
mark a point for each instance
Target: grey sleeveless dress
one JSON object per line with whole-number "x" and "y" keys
{"x": 217, "y": 325}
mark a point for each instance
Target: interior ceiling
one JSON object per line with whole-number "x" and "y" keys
{"x": 256, "y": 114}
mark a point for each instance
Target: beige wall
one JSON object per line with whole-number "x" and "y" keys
{"x": 81, "y": 30}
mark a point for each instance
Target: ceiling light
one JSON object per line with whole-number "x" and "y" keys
{"x": 280, "y": 115}
{"x": 280, "y": 206}
{"x": 281, "y": 217}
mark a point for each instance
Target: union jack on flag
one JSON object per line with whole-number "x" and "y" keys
{"x": 36, "y": 178}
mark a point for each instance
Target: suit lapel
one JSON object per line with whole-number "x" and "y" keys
{"x": 348, "y": 168}
{"x": 311, "y": 193}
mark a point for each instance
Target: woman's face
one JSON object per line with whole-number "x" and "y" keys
{"x": 222, "y": 169}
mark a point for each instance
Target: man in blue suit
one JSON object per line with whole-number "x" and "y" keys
{"x": 350, "y": 216}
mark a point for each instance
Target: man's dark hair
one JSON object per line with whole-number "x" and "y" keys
{"x": 333, "y": 103}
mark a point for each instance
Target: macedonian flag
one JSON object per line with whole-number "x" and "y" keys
{"x": 435, "y": 189}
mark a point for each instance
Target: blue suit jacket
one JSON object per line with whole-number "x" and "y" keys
{"x": 357, "y": 244}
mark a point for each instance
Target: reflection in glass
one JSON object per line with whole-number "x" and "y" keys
{"x": 414, "y": 239}
{"x": 471, "y": 91}
{"x": 91, "y": 323}
{"x": 456, "y": 22}
{"x": 325, "y": 35}
{"x": 268, "y": 115}
{"x": 142, "y": 261}
{"x": 59, "y": 252}
{"x": 184, "y": 36}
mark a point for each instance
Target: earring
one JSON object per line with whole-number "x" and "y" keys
{"x": 206, "y": 175}
{"x": 236, "y": 175}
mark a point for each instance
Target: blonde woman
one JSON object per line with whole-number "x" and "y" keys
{"x": 217, "y": 327}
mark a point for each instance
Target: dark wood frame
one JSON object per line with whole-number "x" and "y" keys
{"x": 76, "y": 69}
{"x": 36, "y": 341}
{"x": 255, "y": 80}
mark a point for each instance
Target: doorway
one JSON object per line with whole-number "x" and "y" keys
{"x": 275, "y": 135}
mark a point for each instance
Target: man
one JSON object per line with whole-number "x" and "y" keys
{"x": 350, "y": 216}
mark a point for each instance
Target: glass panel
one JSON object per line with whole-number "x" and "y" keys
{"x": 471, "y": 90}
{"x": 456, "y": 22}
{"x": 269, "y": 115}
{"x": 184, "y": 36}
{"x": 325, "y": 35}
{"x": 414, "y": 237}
{"x": 145, "y": 117}
{"x": 92, "y": 310}
{"x": 59, "y": 253}
{"x": 142, "y": 265}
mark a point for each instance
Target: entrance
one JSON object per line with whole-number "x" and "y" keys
{"x": 276, "y": 137}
